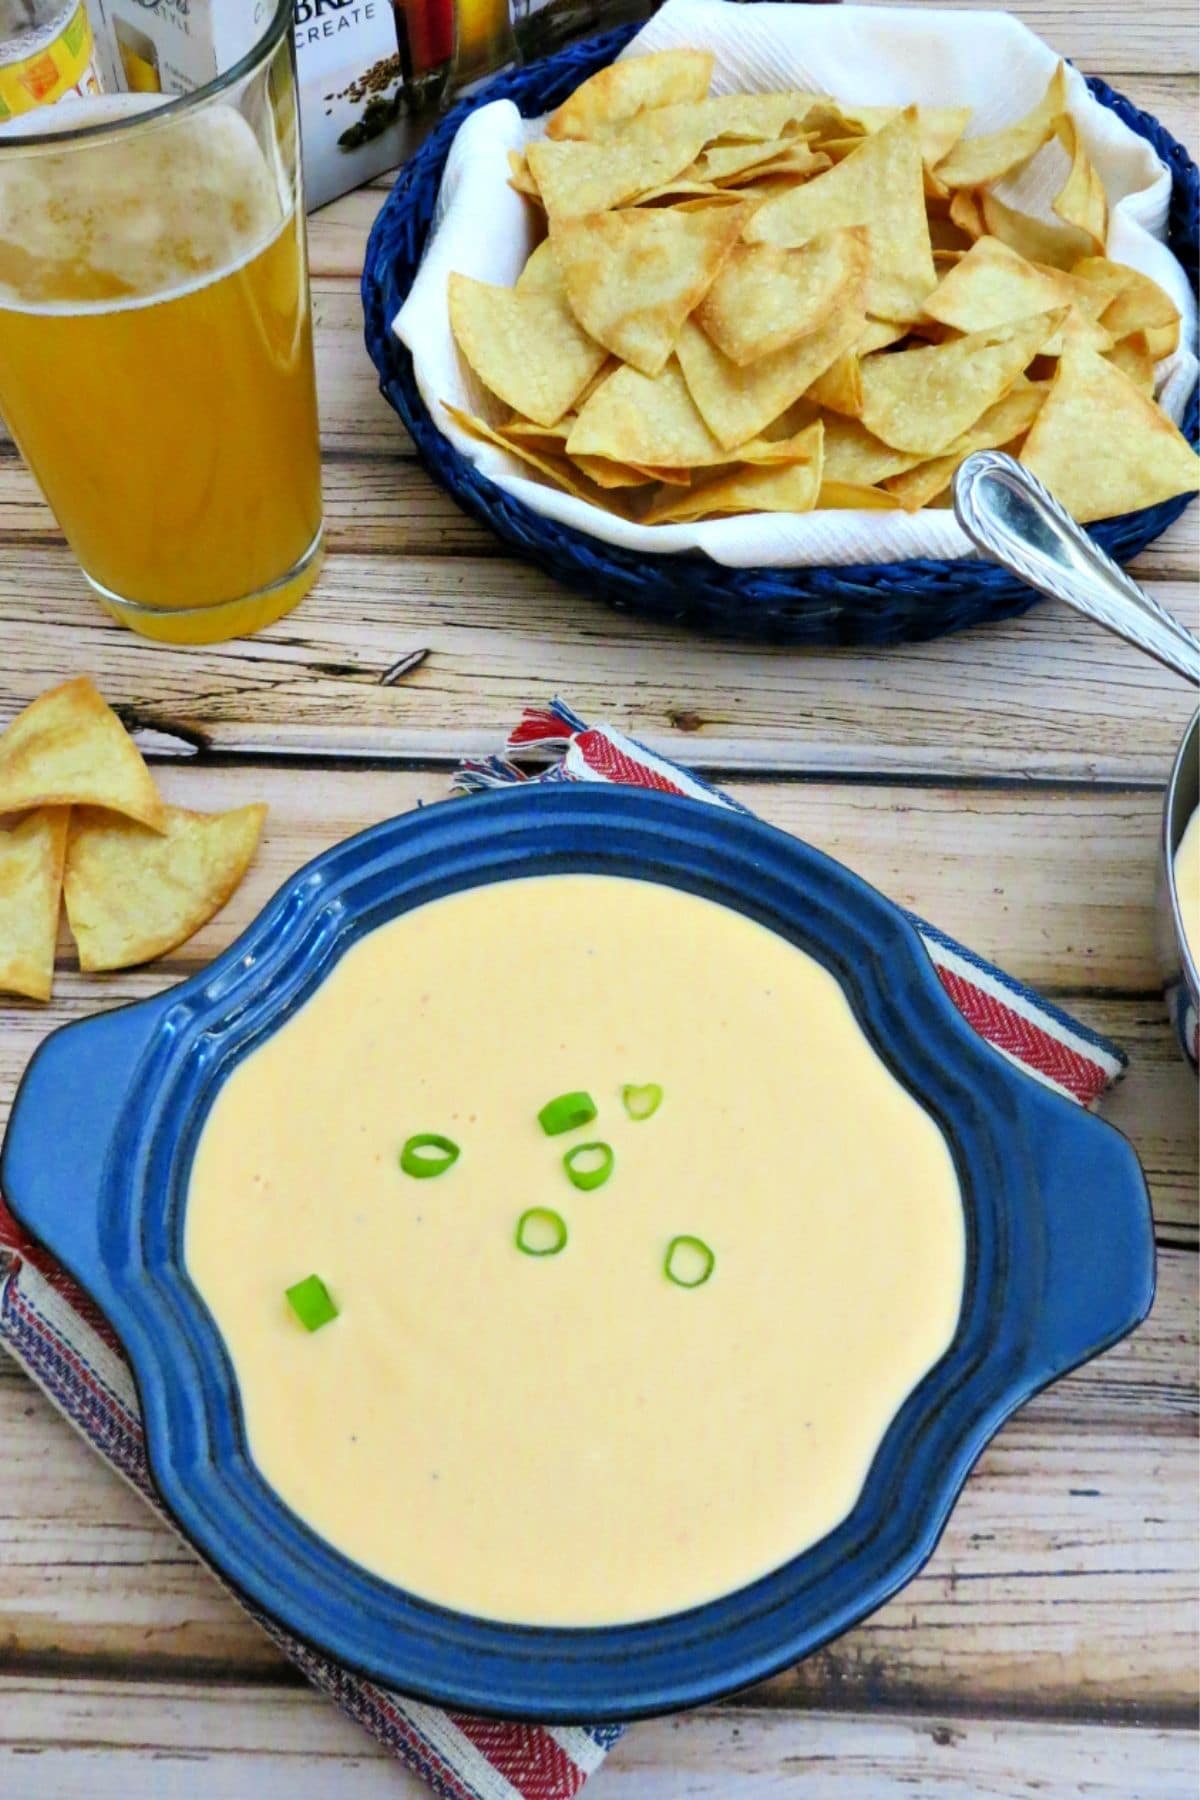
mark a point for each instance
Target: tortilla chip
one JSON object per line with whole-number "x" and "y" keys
{"x": 757, "y": 118}
{"x": 878, "y": 334}
{"x": 792, "y": 488}
{"x": 1005, "y": 423}
{"x": 546, "y": 459}
{"x": 764, "y": 297}
{"x": 541, "y": 274}
{"x": 608, "y": 474}
{"x": 633, "y": 277}
{"x": 520, "y": 177}
{"x": 966, "y": 213}
{"x": 979, "y": 161}
{"x": 924, "y": 399}
{"x": 644, "y": 419}
{"x": 854, "y": 456}
{"x": 134, "y": 894}
{"x": 739, "y": 403}
{"x": 939, "y": 127}
{"x": 1048, "y": 245}
{"x": 840, "y": 387}
{"x": 68, "y": 748}
{"x": 31, "y": 874}
{"x": 993, "y": 285}
{"x": 850, "y": 496}
{"x": 1081, "y": 201}
{"x": 732, "y": 163}
{"x": 680, "y": 191}
{"x": 1136, "y": 303}
{"x": 624, "y": 89}
{"x": 1102, "y": 446}
{"x": 1132, "y": 355}
{"x": 879, "y": 185}
{"x": 577, "y": 177}
{"x": 527, "y": 348}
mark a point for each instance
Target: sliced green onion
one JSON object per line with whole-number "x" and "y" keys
{"x": 589, "y": 1165}
{"x": 541, "y": 1232}
{"x": 311, "y": 1302}
{"x": 641, "y": 1102}
{"x": 689, "y": 1262}
{"x": 566, "y": 1112}
{"x": 428, "y": 1154}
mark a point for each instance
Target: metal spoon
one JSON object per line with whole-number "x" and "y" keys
{"x": 1008, "y": 514}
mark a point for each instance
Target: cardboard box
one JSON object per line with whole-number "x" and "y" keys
{"x": 372, "y": 73}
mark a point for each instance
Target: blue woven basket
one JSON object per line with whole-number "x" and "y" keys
{"x": 867, "y": 603}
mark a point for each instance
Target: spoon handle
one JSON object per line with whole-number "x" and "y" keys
{"x": 1008, "y": 514}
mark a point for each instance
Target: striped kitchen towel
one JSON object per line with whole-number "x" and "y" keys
{"x": 57, "y": 1336}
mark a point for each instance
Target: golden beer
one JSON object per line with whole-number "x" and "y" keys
{"x": 156, "y": 364}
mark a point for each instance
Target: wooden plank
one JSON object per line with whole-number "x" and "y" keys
{"x": 1048, "y": 697}
{"x": 1108, "y": 39}
{"x": 1063, "y": 1585}
{"x": 337, "y": 234}
{"x": 114, "y": 1741}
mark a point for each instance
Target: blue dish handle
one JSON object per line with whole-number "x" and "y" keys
{"x": 61, "y": 1130}
{"x": 1099, "y": 1234}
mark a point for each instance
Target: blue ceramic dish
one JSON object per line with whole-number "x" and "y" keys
{"x": 96, "y": 1162}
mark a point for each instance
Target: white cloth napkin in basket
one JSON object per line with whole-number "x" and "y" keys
{"x": 869, "y": 55}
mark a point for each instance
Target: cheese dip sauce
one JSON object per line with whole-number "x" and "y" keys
{"x": 571, "y": 1438}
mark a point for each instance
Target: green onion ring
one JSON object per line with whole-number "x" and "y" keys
{"x": 533, "y": 1224}
{"x": 641, "y": 1101}
{"x": 566, "y": 1112}
{"x": 584, "y": 1178}
{"x": 311, "y": 1302}
{"x": 694, "y": 1253}
{"x": 415, "y": 1160}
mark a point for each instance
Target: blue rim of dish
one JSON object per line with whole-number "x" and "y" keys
{"x": 95, "y": 1164}
{"x": 861, "y": 603}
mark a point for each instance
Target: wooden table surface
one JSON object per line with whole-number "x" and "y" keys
{"x": 1006, "y": 783}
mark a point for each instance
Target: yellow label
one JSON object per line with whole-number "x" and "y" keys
{"x": 52, "y": 67}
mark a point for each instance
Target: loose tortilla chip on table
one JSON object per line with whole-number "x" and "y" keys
{"x": 68, "y": 748}
{"x": 1102, "y": 446}
{"x": 923, "y": 399}
{"x": 632, "y": 277}
{"x": 1081, "y": 202}
{"x": 790, "y": 488}
{"x": 1004, "y": 424}
{"x": 576, "y": 177}
{"x": 765, "y": 297}
{"x": 627, "y": 88}
{"x": 978, "y": 161}
{"x": 31, "y": 876}
{"x": 880, "y": 185}
{"x": 1049, "y": 245}
{"x": 737, "y": 404}
{"x": 133, "y": 894}
{"x": 527, "y": 348}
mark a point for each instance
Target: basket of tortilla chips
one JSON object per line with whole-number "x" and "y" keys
{"x": 757, "y": 311}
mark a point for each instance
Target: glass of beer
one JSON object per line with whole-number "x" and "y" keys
{"x": 156, "y": 364}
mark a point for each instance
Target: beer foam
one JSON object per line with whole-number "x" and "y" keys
{"x": 134, "y": 218}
